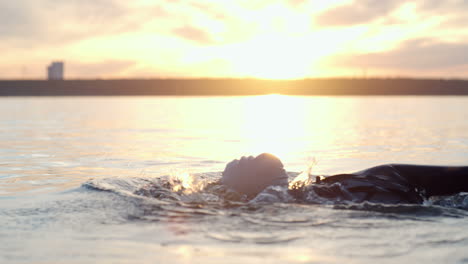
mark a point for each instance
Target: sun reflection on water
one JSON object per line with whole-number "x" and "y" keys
{"x": 281, "y": 124}
{"x": 103, "y": 137}
{"x": 293, "y": 128}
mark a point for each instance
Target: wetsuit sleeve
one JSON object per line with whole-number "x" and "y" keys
{"x": 435, "y": 180}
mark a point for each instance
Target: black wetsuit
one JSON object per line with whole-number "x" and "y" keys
{"x": 393, "y": 183}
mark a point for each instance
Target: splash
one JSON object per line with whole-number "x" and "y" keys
{"x": 459, "y": 200}
{"x": 186, "y": 183}
{"x": 304, "y": 178}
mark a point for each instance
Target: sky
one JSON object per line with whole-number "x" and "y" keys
{"x": 273, "y": 39}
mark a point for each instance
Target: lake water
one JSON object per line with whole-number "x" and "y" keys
{"x": 71, "y": 169}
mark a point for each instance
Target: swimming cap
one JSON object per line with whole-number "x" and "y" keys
{"x": 250, "y": 175}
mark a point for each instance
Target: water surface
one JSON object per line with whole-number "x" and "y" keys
{"x": 70, "y": 169}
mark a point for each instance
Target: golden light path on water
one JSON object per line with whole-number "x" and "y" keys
{"x": 224, "y": 128}
{"x": 278, "y": 124}
{"x": 300, "y": 130}
{"x": 296, "y": 129}
{"x": 95, "y": 137}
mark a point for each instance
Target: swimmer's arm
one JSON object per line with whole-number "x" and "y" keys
{"x": 435, "y": 180}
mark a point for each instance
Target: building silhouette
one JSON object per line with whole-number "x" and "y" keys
{"x": 55, "y": 71}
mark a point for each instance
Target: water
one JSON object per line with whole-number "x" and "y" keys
{"x": 76, "y": 179}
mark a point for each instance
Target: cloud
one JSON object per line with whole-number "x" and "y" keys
{"x": 357, "y": 12}
{"x": 452, "y": 11}
{"x": 295, "y": 3}
{"x": 193, "y": 34}
{"x": 143, "y": 31}
{"x": 443, "y": 6}
{"x": 367, "y": 11}
{"x": 16, "y": 19}
{"x": 454, "y": 22}
{"x": 210, "y": 10}
{"x": 200, "y": 19}
{"x": 55, "y": 21}
{"x": 418, "y": 54}
{"x": 96, "y": 11}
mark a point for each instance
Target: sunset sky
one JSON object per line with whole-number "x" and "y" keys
{"x": 244, "y": 38}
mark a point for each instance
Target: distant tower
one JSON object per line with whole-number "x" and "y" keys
{"x": 55, "y": 71}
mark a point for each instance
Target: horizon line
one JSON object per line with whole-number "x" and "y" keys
{"x": 246, "y": 78}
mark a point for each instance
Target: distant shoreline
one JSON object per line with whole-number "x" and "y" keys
{"x": 234, "y": 87}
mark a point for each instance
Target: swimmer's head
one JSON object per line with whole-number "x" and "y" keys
{"x": 251, "y": 175}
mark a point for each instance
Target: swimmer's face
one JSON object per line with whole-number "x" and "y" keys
{"x": 251, "y": 175}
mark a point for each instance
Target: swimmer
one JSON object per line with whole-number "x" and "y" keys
{"x": 391, "y": 183}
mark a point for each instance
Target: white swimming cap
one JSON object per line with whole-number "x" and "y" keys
{"x": 251, "y": 175}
